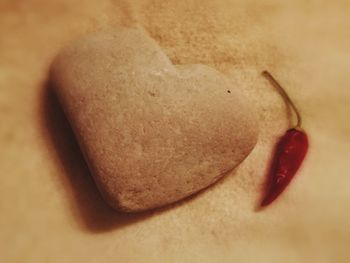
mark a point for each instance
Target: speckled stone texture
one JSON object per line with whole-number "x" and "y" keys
{"x": 152, "y": 133}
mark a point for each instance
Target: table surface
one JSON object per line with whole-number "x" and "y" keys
{"x": 51, "y": 210}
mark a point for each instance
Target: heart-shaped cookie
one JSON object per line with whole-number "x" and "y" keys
{"x": 152, "y": 133}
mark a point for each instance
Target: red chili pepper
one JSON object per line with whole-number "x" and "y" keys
{"x": 289, "y": 154}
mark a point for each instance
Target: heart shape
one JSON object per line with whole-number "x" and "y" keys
{"x": 152, "y": 132}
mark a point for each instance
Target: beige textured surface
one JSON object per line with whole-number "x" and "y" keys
{"x": 152, "y": 133}
{"x": 51, "y": 210}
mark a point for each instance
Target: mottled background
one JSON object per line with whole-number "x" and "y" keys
{"x": 50, "y": 209}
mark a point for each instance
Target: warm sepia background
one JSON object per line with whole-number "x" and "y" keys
{"x": 50, "y": 210}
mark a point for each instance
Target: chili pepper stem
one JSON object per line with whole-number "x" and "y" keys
{"x": 285, "y": 96}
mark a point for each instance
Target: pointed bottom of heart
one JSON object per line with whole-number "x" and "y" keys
{"x": 131, "y": 203}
